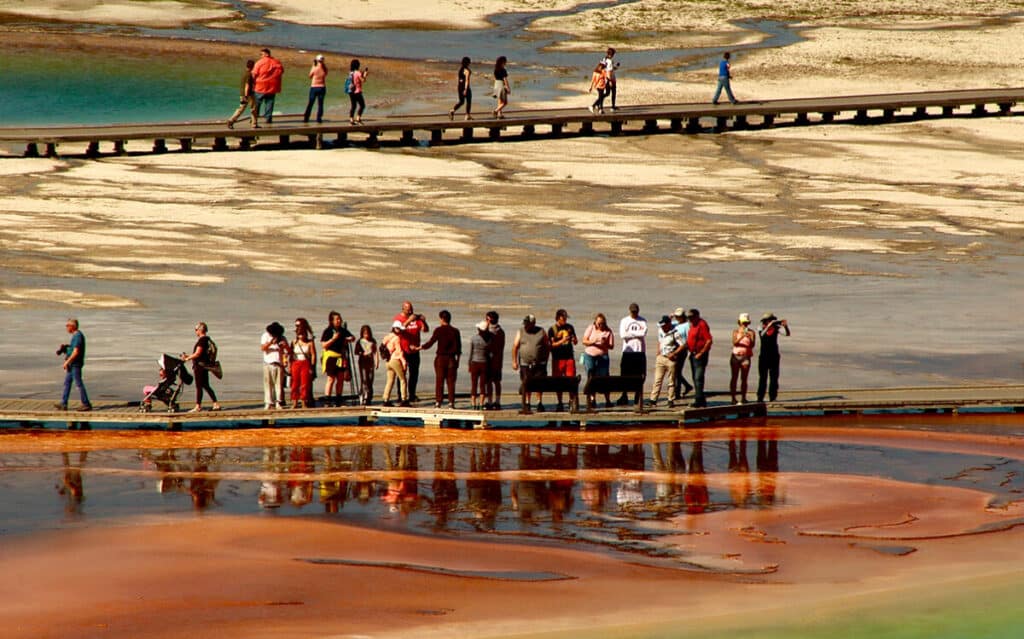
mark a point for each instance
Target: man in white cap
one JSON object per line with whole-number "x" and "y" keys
{"x": 682, "y": 326}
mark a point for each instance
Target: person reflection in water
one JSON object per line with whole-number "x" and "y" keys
{"x": 300, "y": 489}
{"x": 739, "y": 471}
{"x": 445, "y": 488}
{"x": 71, "y": 487}
{"x": 767, "y": 467}
{"x": 484, "y": 495}
{"x": 696, "y": 492}
{"x": 201, "y": 487}
{"x": 333, "y": 492}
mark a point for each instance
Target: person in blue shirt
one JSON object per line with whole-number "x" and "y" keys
{"x": 682, "y": 327}
{"x": 724, "y": 76}
{"x": 74, "y": 359}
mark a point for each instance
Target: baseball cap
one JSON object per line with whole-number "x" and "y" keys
{"x": 320, "y": 57}
{"x": 744, "y": 318}
{"x": 768, "y": 316}
{"x": 679, "y": 312}
{"x": 665, "y": 319}
{"x": 398, "y": 324}
{"x": 530, "y": 319}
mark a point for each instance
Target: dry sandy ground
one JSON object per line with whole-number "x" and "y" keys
{"x": 834, "y": 544}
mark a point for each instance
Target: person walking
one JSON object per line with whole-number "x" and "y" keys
{"x": 599, "y": 342}
{"x": 465, "y": 92}
{"x": 74, "y": 360}
{"x": 563, "y": 360}
{"x": 275, "y": 361}
{"x": 246, "y": 97}
{"x": 698, "y": 342}
{"x": 599, "y": 81}
{"x": 530, "y": 350}
{"x": 769, "y": 358}
{"x": 670, "y": 347}
{"x": 266, "y": 75}
{"x": 610, "y": 65}
{"x": 303, "y": 364}
{"x": 633, "y": 331}
{"x": 501, "y": 88}
{"x": 317, "y": 89}
{"x": 743, "y": 340}
{"x": 724, "y": 78}
{"x": 354, "y": 88}
{"x": 203, "y": 356}
{"x": 446, "y": 361}
{"x": 495, "y": 359}
{"x": 396, "y": 368}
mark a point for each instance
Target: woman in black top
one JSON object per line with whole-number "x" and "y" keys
{"x": 200, "y": 359}
{"x": 501, "y": 89}
{"x": 465, "y": 92}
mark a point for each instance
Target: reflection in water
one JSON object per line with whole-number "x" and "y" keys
{"x": 627, "y": 497}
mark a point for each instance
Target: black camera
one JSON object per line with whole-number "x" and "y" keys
{"x": 62, "y": 349}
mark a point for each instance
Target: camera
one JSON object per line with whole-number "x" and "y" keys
{"x": 62, "y": 349}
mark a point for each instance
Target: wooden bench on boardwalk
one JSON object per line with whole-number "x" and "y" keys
{"x": 548, "y": 384}
{"x": 613, "y": 384}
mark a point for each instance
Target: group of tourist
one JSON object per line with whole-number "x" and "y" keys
{"x": 261, "y": 82}
{"x": 342, "y": 356}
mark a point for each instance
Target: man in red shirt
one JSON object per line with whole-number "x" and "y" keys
{"x": 698, "y": 342}
{"x": 414, "y": 326}
{"x": 266, "y": 75}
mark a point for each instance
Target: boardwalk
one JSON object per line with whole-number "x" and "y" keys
{"x": 436, "y": 129}
{"x": 23, "y": 413}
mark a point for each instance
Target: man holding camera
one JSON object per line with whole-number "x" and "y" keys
{"x": 74, "y": 359}
{"x": 769, "y": 358}
{"x": 413, "y": 327}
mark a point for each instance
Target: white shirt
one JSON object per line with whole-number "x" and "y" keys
{"x": 633, "y": 331}
{"x": 273, "y": 354}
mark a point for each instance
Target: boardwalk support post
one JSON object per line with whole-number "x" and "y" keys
{"x": 93, "y": 149}
{"x": 529, "y": 131}
{"x": 616, "y": 127}
{"x": 948, "y": 110}
{"x": 318, "y": 143}
{"x": 408, "y": 138}
{"x": 650, "y": 126}
{"x": 119, "y": 147}
{"x": 245, "y": 143}
{"x": 921, "y": 112}
{"x": 675, "y": 124}
{"x": 219, "y": 144}
{"x": 31, "y": 150}
{"x": 436, "y": 136}
{"x": 979, "y": 109}
{"x": 828, "y": 116}
{"x": 739, "y": 122}
{"x": 693, "y": 125}
{"x": 51, "y": 149}
{"x": 372, "y": 140}
{"x": 802, "y": 119}
{"x": 1004, "y": 108}
{"x": 888, "y": 114}
{"x": 186, "y": 144}
{"x": 721, "y": 122}
{"x": 467, "y": 133}
{"x": 342, "y": 139}
{"x": 556, "y": 129}
{"x": 494, "y": 132}
{"x": 768, "y": 120}
{"x": 861, "y": 117}
{"x": 284, "y": 140}
{"x": 586, "y": 127}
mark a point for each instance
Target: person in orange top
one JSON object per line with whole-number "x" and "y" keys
{"x": 266, "y": 75}
{"x": 599, "y": 81}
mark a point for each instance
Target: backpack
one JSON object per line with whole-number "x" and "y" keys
{"x": 211, "y": 353}
{"x": 350, "y": 86}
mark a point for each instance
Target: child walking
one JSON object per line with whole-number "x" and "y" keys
{"x": 599, "y": 81}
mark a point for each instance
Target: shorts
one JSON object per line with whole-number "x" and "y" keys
{"x": 563, "y": 368}
{"x": 743, "y": 361}
{"x": 333, "y": 369}
{"x": 528, "y": 371}
{"x": 493, "y": 372}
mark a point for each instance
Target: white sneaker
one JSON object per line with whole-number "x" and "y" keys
{"x": 592, "y": 109}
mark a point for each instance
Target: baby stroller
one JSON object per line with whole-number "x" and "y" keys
{"x": 173, "y": 376}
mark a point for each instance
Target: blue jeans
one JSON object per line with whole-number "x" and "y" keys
{"x": 265, "y": 106}
{"x": 698, "y": 365}
{"x": 74, "y": 375}
{"x": 316, "y": 94}
{"x": 723, "y": 83}
{"x": 596, "y": 365}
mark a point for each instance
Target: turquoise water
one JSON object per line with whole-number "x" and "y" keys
{"x": 113, "y": 88}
